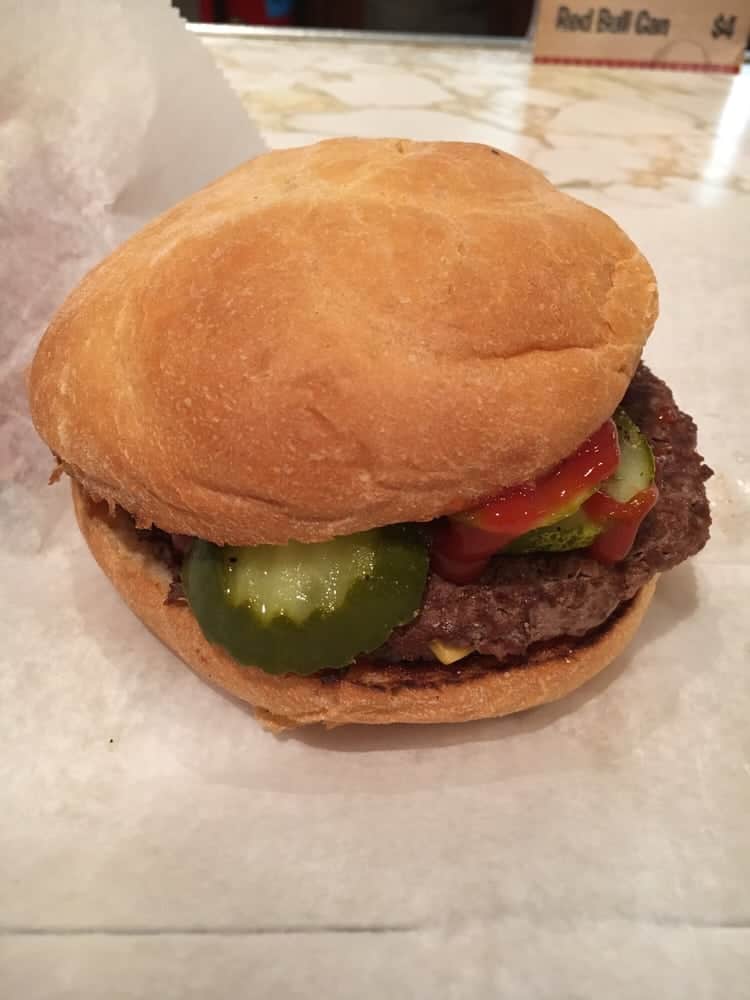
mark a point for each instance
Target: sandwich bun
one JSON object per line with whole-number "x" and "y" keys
{"x": 329, "y": 339}
{"x": 374, "y": 693}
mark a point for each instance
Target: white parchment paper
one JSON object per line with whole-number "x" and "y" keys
{"x": 110, "y": 112}
{"x": 154, "y": 841}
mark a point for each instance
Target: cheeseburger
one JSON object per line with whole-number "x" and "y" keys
{"x": 361, "y": 431}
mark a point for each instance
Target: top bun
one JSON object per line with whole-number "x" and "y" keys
{"x": 332, "y": 338}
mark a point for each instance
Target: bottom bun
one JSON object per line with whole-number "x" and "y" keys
{"x": 375, "y": 693}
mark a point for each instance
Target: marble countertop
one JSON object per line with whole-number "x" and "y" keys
{"x": 640, "y": 137}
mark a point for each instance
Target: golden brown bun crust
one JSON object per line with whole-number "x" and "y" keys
{"x": 376, "y": 694}
{"x": 328, "y": 339}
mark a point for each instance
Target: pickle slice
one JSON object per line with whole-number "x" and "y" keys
{"x": 636, "y": 468}
{"x": 634, "y": 473}
{"x": 576, "y": 531}
{"x": 301, "y": 608}
{"x": 296, "y": 580}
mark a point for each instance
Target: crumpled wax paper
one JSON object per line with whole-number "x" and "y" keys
{"x": 110, "y": 112}
{"x": 154, "y": 841}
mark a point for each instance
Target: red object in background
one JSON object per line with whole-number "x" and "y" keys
{"x": 275, "y": 12}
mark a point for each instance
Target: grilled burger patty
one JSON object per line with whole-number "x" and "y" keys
{"x": 524, "y": 602}
{"x": 527, "y": 599}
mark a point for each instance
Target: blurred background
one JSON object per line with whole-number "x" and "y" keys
{"x": 470, "y": 17}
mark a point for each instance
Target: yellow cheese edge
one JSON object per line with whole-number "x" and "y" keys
{"x": 448, "y": 654}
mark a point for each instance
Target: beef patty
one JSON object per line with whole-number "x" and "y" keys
{"x": 527, "y": 599}
{"x": 523, "y": 605}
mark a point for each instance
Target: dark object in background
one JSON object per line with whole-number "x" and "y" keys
{"x": 270, "y": 12}
{"x": 455, "y": 17}
{"x": 471, "y": 17}
{"x": 348, "y": 14}
{"x": 466, "y": 17}
{"x": 459, "y": 17}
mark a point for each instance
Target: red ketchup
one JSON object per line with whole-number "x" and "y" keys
{"x": 620, "y": 521}
{"x": 463, "y": 544}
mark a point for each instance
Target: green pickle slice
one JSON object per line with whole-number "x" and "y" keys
{"x": 636, "y": 469}
{"x": 634, "y": 473}
{"x": 574, "y": 532}
{"x": 299, "y": 608}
